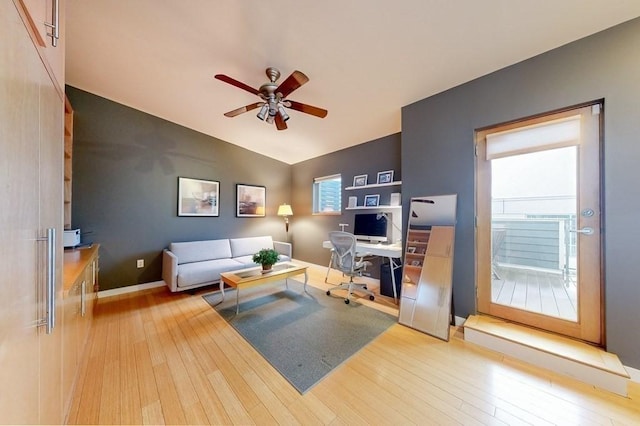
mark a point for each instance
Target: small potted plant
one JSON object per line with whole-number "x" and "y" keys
{"x": 267, "y": 258}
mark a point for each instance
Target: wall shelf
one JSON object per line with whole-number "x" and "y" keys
{"x": 372, "y": 207}
{"x": 374, "y": 185}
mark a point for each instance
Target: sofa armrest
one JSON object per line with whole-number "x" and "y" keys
{"x": 283, "y": 248}
{"x": 170, "y": 270}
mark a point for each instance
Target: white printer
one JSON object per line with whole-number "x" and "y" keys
{"x": 71, "y": 238}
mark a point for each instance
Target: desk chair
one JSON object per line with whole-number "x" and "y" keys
{"x": 360, "y": 256}
{"x": 346, "y": 261}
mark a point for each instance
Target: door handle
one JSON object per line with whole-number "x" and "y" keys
{"x": 55, "y": 23}
{"x": 586, "y": 231}
{"x": 50, "y": 304}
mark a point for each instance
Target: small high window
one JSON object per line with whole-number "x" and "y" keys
{"x": 327, "y": 195}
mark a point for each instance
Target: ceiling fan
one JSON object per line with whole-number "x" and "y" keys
{"x": 274, "y": 98}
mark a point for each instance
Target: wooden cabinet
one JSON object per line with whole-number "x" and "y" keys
{"x": 31, "y": 117}
{"x": 40, "y": 15}
{"x": 19, "y": 103}
{"x": 80, "y": 285}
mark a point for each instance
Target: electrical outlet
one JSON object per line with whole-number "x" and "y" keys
{"x": 140, "y": 263}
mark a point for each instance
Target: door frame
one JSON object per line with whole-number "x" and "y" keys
{"x": 590, "y": 323}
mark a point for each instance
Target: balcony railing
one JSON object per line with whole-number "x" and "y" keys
{"x": 534, "y": 255}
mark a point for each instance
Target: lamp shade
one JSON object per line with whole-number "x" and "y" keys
{"x": 285, "y": 210}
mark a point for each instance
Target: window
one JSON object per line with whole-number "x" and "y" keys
{"x": 327, "y": 195}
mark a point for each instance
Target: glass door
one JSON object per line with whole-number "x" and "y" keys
{"x": 538, "y": 222}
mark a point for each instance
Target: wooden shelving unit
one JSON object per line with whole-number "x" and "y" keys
{"x": 415, "y": 251}
{"x": 68, "y": 160}
{"x": 427, "y": 278}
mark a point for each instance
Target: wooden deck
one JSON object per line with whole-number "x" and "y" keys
{"x": 536, "y": 291}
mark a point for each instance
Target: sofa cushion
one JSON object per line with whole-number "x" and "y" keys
{"x": 197, "y": 251}
{"x": 247, "y": 261}
{"x": 249, "y": 246}
{"x": 203, "y": 272}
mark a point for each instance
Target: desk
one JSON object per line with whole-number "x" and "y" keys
{"x": 393, "y": 252}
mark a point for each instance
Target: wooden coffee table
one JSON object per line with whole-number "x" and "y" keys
{"x": 252, "y": 277}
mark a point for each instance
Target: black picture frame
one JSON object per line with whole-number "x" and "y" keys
{"x": 372, "y": 200}
{"x": 198, "y": 197}
{"x": 385, "y": 177}
{"x": 360, "y": 180}
{"x": 251, "y": 200}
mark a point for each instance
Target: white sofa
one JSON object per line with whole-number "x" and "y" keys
{"x": 188, "y": 265}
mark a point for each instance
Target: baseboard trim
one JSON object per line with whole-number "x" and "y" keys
{"x": 130, "y": 289}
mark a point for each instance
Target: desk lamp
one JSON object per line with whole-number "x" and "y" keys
{"x": 285, "y": 211}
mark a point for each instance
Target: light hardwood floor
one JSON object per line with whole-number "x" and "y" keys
{"x": 155, "y": 357}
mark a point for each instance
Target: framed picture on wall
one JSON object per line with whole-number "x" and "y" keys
{"x": 385, "y": 177}
{"x": 360, "y": 180}
{"x": 198, "y": 197}
{"x": 251, "y": 200}
{"x": 371, "y": 200}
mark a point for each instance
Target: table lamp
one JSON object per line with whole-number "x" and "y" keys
{"x": 285, "y": 211}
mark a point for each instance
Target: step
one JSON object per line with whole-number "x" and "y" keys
{"x": 562, "y": 355}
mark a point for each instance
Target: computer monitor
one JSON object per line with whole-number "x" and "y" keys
{"x": 370, "y": 227}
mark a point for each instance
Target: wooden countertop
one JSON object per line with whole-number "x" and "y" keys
{"x": 75, "y": 262}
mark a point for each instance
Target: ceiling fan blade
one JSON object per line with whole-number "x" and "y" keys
{"x": 294, "y": 81}
{"x": 308, "y": 109}
{"x": 280, "y": 123}
{"x": 234, "y": 82}
{"x": 243, "y": 109}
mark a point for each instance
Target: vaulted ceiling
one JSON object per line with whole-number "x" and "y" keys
{"x": 365, "y": 59}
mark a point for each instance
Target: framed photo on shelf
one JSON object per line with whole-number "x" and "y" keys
{"x": 250, "y": 200}
{"x": 385, "y": 177}
{"x": 198, "y": 197}
{"x": 360, "y": 180}
{"x": 371, "y": 200}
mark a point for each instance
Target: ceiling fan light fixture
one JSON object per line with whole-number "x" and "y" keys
{"x": 273, "y": 96}
{"x": 283, "y": 113}
{"x": 263, "y": 112}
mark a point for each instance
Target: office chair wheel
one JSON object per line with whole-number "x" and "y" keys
{"x": 346, "y": 301}
{"x": 328, "y": 293}
{"x": 371, "y": 297}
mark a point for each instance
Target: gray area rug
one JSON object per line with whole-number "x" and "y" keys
{"x": 304, "y": 336}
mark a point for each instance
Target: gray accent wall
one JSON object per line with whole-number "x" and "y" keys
{"x": 126, "y": 166}
{"x": 438, "y": 156}
{"x": 369, "y": 158}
